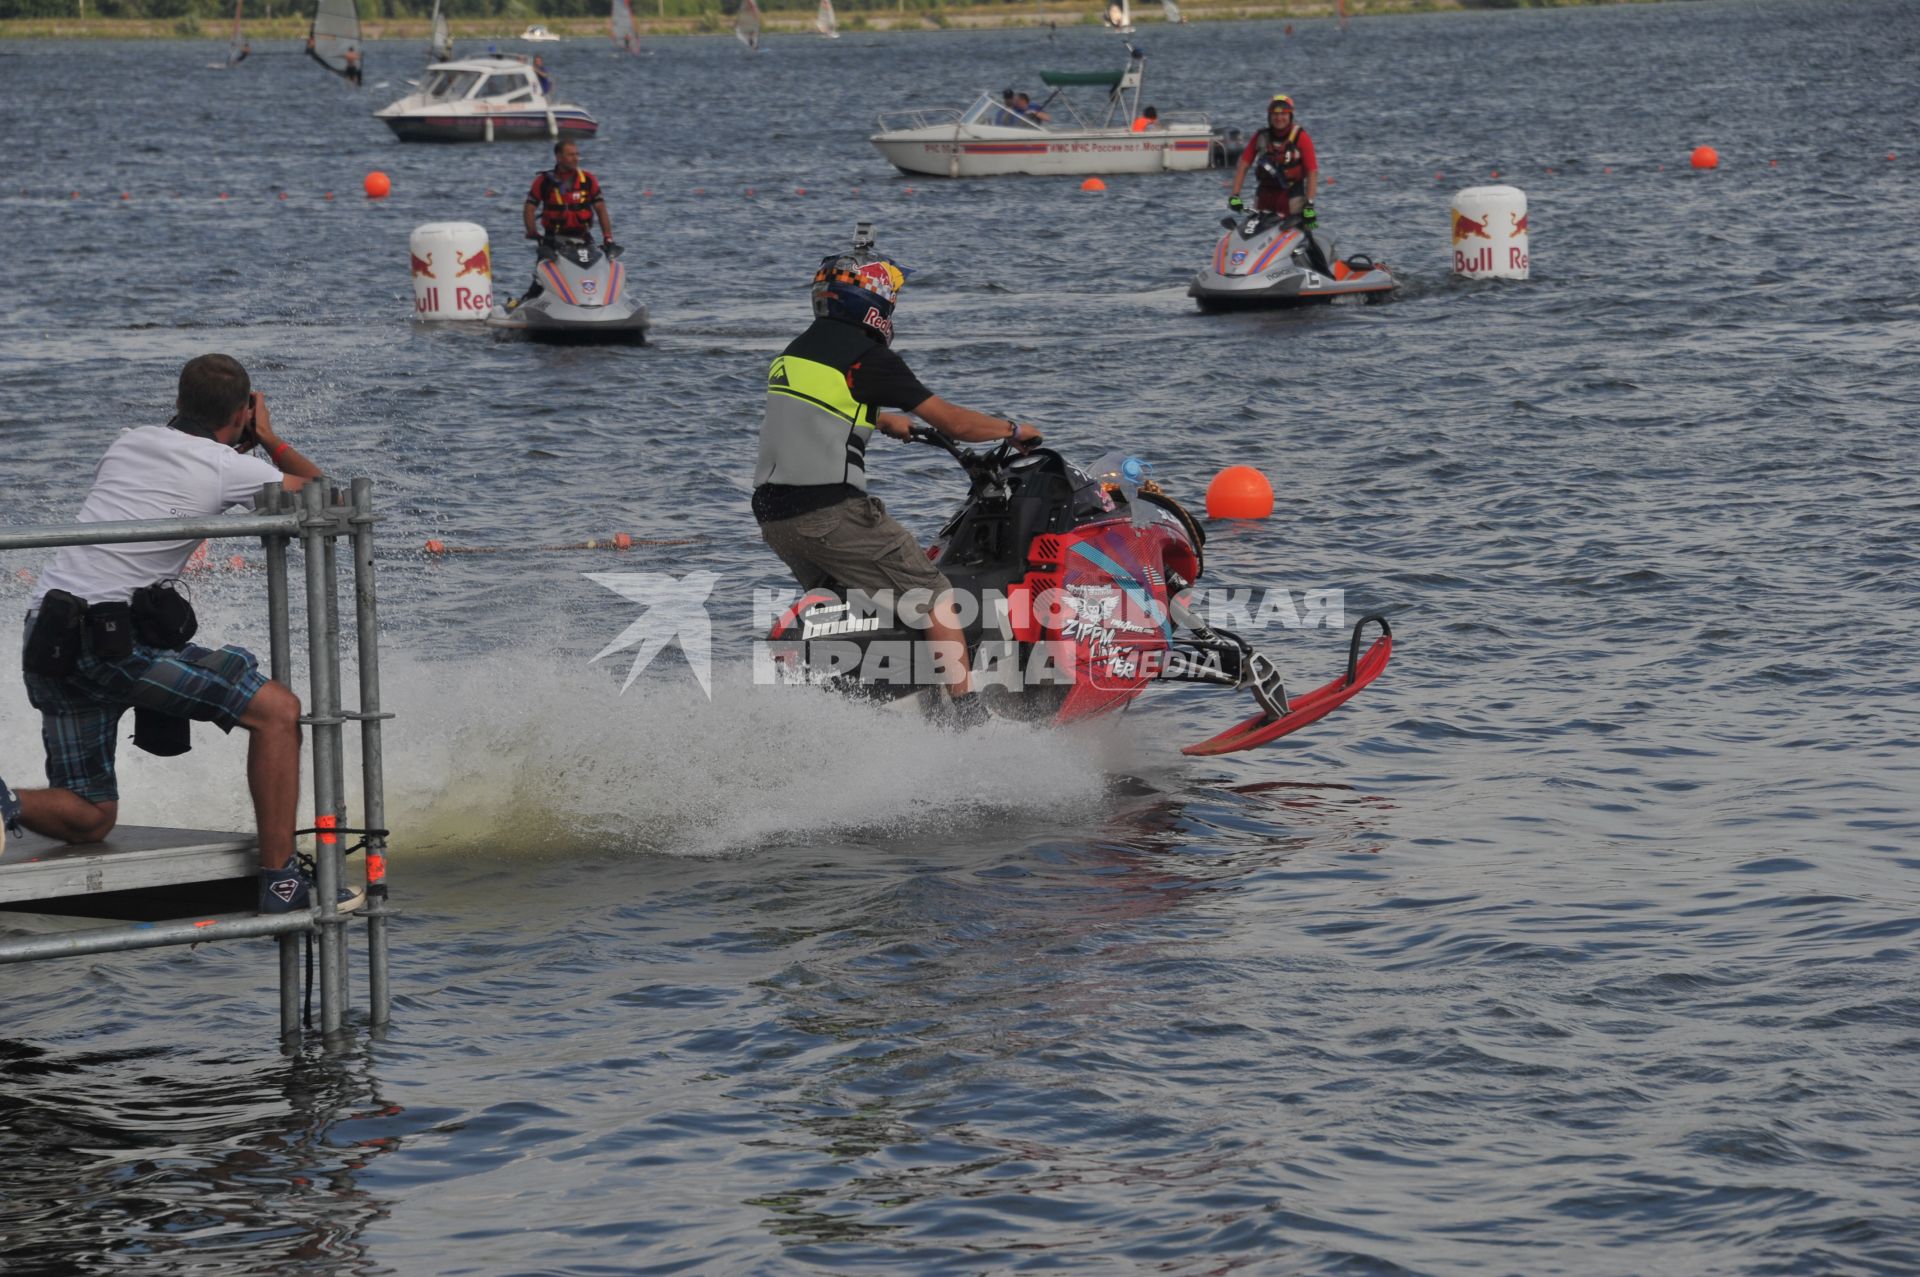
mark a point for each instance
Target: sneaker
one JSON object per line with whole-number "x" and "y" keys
{"x": 9, "y": 814}
{"x": 967, "y": 711}
{"x": 291, "y": 889}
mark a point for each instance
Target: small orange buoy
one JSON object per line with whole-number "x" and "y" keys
{"x": 1239, "y": 492}
{"x": 799, "y": 190}
{"x": 491, "y": 192}
{"x": 236, "y": 562}
{"x": 1496, "y": 172}
{"x": 283, "y": 195}
{"x": 328, "y": 195}
{"x": 436, "y": 547}
{"x": 125, "y": 196}
{"x": 622, "y": 541}
{"x": 377, "y": 185}
{"x": 1607, "y": 169}
{"x": 1093, "y": 184}
{"x": 1705, "y": 157}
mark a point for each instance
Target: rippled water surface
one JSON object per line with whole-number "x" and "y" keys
{"x": 1581, "y": 943}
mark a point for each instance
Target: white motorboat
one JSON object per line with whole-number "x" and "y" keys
{"x": 990, "y": 137}
{"x": 538, "y": 34}
{"x": 483, "y": 100}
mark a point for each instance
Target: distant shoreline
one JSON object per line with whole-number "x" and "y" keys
{"x": 957, "y": 17}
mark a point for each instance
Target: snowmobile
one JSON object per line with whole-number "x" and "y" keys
{"x": 1075, "y": 591}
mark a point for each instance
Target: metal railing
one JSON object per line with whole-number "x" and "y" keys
{"x": 319, "y": 517}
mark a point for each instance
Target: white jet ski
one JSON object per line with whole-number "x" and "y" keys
{"x": 1269, "y": 260}
{"x": 579, "y": 295}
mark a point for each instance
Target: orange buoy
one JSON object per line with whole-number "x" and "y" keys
{"x": 1705, "y": 157}
{"x": 1239, "y": 492}
{"x": 623, "y": 541}
{"x": 1093, "y": 184}
{"x": 377, "y": 185}
{"x": 328, "y": 195}
{"x": 436, "y": 547}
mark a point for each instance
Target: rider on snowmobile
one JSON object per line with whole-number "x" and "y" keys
{"x": 826, "y": 395}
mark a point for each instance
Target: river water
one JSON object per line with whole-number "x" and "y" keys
{"x": 1583, "y": 942}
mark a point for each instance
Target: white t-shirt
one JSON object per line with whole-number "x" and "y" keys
{"x": 151, "y": 472}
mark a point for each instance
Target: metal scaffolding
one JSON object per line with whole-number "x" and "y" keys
{"x": 144, "y": 877}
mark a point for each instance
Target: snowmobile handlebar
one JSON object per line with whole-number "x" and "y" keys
{"x": 972, "y": 460}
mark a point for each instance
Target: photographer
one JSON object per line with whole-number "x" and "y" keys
{"x": 107, "y": 632}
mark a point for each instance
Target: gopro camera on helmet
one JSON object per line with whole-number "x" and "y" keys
{"x": 862, "y": 235}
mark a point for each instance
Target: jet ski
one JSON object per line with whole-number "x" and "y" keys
{"x": 578, "y": 296}
{"x": 1268, "y": 260}
{"x": 1074, "y": 588}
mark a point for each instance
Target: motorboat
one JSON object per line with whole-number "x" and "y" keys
{"x": 491, "y": 99}
{"x": 1269, "y": 260}
{"x": 538, "y": 34}
{"x": 579, "y": 296}
{"x": 990, "y": 137}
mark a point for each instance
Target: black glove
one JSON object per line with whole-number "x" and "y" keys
{"x": 1307, "y": 216}
{"x": 1237, "y": 204}
{"x": 610, "y": 248}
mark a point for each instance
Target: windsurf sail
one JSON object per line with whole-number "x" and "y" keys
{"x": 235, "y": 43}
{"x": 1120, "y": 15}
{"x": 625, "y": 34}
{"x": 441, "y": 50}
{"x": 1172, "y": 11}
{"x": 746, "y": 25}
{"x": 334, "y": 38}
{"x": 824, "y": 22}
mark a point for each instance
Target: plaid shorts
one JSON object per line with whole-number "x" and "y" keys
{"x": 80, "y": 712}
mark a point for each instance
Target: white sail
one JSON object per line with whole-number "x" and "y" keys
{"x": 825, "y": 23}
{"x": 235, "y": 43}
{"x": 441, "y": 50}
{"x": 1120, "y": 16}
{"x": 746, "y": 24}
{"x": 336, "y": 33}
{"x": 625, "y": 34}
{"x": 1172, "y": 11}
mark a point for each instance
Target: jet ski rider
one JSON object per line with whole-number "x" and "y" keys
{"x": 567, "y": 198}
{"x": 1285, "y": 168}
{"x": 825, "y": 397}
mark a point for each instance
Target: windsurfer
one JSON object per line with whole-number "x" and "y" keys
{"x": 353, "y": 71}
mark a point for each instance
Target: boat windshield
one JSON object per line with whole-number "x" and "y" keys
{"x": 450, "y": 84}
{"x": 989, "y": 110}
{"x": 510, "y": 87}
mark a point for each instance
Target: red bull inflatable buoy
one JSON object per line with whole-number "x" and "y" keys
{"x": 1489, "y": 233}
{"x": 452, "y": 270}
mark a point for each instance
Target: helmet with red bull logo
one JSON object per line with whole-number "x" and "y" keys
{"x": 859, "y": 287}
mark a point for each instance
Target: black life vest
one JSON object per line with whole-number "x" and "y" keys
{"x": 1285, "y": 155}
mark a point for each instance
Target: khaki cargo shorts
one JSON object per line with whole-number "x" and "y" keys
{"x": 855, "y": 544}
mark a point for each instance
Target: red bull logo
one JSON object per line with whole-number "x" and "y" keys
{"x": 479, "y": 263}
{"x": 1519, "y": 224}
{"x": 882, "y": 279}
{"x": 421, "y": 265}
{"x": 1464, "y": 226}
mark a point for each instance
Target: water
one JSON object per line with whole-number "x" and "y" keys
{"x": 1582, "y": 942}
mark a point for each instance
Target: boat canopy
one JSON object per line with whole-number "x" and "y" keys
{"x": 1065, "y": 79}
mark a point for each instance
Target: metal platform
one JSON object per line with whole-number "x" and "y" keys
{"x": 156, "y": 886}
{"x": 140, "y": 874}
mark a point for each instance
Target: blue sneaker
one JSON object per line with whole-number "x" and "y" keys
{"x": 291, "y": 889}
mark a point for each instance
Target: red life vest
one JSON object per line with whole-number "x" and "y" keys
{"x": 566, "y": 209}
